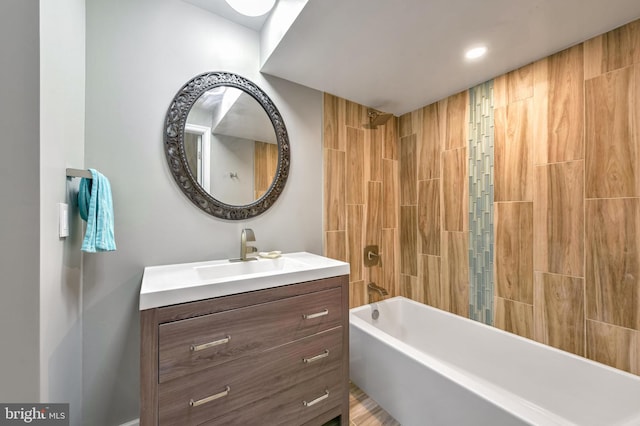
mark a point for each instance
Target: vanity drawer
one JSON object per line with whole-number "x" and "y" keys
{"x": 191, "y": 345}
{"x": 294, "y": 406}
{"x": 280, "y": 368}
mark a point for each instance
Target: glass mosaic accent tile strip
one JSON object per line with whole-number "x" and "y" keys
{"x": 481, "y": 243}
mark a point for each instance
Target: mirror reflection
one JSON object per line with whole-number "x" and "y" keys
{"x": 231, "y": 146}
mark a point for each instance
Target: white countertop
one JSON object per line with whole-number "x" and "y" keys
{"x": 187, "y": 282}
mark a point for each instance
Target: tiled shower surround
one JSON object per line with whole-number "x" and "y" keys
{"x": 361, "y": 194}
{"x": 566, "y": 199}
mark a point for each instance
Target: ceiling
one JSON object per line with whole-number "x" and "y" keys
{"x": 246, "y": 119}
{"x": 400, "y": 55}
{"x": 232, "y": 112}
{"x": 222, "y": 8}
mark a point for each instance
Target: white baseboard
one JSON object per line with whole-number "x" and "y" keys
{"x": 134, "y": 422}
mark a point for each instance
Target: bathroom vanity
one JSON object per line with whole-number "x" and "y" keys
{"x": 260, "y": 342}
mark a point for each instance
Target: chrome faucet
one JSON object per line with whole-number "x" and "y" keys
{"x": 247, "y": 235}
{"x": 373, "y": 287}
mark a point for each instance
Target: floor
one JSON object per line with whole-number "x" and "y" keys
{"x": 364, "y": 411}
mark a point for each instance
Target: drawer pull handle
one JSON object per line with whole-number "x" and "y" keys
{"x": 196, "y": 348}
{"x": 318, "y": 399}
{"x": 316, "y": 315}
{"x": 317, "y": 357}
{"x": 210, "y": 398}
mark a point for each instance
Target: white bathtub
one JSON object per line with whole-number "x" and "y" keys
{"x": 429, "y": 367}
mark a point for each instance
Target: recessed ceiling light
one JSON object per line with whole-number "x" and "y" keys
{"x": 475, "y": 52}
{"x": 252, "y": 7}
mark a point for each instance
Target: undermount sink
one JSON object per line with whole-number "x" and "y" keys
{"x": 172, "y": 284}
{"x": 227, "y": 269}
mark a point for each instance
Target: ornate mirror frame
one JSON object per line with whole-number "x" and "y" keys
{"x": 174, "y": 130}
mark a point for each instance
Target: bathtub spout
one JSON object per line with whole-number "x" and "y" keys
{"x": 373, "y": 287}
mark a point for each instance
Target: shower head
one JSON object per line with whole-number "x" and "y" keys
{"x": 377, "y": 118}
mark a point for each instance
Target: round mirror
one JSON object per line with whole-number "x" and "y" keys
{"x": 227, "y": 145}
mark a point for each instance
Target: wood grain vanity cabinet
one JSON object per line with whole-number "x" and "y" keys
{"x": 268, "y": 357}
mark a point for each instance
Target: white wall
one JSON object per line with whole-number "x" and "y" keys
{"x": 232, "y": 155}
{"x": 139, "y": 53}
{"x": 62, "y": 85}
{"x": 19, "y": 192}
{"x": 279, "y": 21}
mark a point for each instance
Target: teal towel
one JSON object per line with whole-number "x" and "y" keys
{"x": 96, "y": 208}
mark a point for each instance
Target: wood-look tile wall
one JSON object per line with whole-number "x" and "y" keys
{"x": 612, "y": 191}
{"x": 567, "y": 166}
{"x": 434, "y": 206}
{"x": 567, "y": 199}
{"x": 402, "y": 186}
{"x": 361, "y": 196}
{"x": 265, "y": 164}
